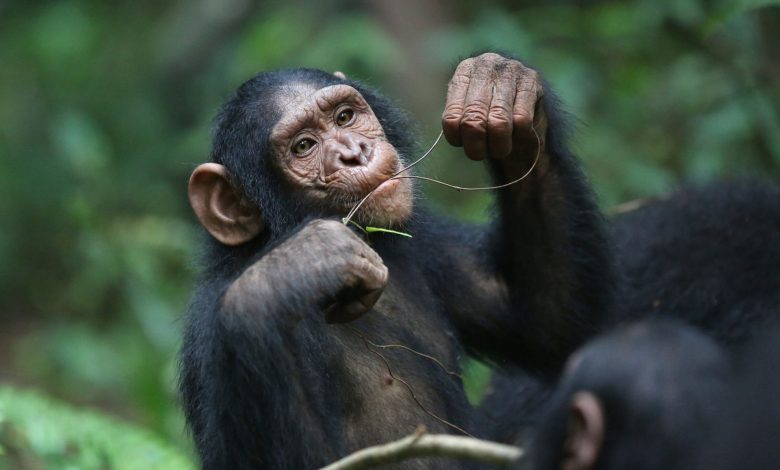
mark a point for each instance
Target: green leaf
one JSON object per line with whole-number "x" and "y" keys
{"x": 387, "y": 230}
{"x": 476, "y": 379}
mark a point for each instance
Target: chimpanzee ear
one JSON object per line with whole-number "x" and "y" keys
{"x": 585, "y": 433}
{"x": 223, "y": 211}
{"x": 340, "y": 74}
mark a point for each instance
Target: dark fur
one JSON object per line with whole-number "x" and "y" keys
{"x": 706, "y": 255}
{"x": 659, "y": 384}
{"x": 745, "y": 433}
{"x": 260, "y": 392}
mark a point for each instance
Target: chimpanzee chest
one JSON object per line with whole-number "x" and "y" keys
{"x": 399, "y": 365}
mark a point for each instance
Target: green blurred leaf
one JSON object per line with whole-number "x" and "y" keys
{"x": 36, "y": 432}
{"x": 476, "y": 376}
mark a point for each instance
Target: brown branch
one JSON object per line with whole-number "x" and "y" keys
{"x": 420, "y": 444}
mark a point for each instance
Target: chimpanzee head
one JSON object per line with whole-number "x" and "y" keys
{"x": 297, "y": 143}
{"x": 641, "y": 397}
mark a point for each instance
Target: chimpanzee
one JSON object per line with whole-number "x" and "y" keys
{"x": 644, "y": 396}
{"x": 706, "y": 255}
{"x": 748, "y": 423}
{"x": 285, "y": 362}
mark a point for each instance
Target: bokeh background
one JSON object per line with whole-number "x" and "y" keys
{"x": 105, "y": 108}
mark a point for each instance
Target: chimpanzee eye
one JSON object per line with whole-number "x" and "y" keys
{"x": 303, "y": 146}
{"x": 345, "y": 117}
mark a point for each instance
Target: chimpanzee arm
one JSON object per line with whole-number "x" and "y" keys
{"x": 256, "y": 382}
{"x": 541, "y": 276}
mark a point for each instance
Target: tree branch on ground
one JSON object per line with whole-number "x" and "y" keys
{"x": 420, "y": 445}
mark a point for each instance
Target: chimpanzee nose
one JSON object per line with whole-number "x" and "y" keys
{"x": 346, "y": 150}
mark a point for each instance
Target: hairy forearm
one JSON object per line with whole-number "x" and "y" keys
{"x": 235, "y": 375}
{"x": 550, "y": 247}
{"x": 272, "y": 287}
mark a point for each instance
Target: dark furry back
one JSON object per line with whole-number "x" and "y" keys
{"x": 708, "y": 255}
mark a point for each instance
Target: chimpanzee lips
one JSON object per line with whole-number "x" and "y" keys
{"x": 386, "y": 186}
{"x": 360, "y": 181}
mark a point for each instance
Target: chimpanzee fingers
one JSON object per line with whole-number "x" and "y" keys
{"x": 359, "y": 261}
{"x": 370, "y": 274}
{"x": 365, "y": 281}
{"x": 500, "y": 122}
{"x": 456, "y": 95}
{"x": 529, "y": 92}
{"x": 474, "y": 123}
{"x": 350, "y": 310}
{"x": 491, "y": 103}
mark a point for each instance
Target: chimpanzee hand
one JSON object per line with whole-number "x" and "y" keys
{"x": 356, "y": 268}
{"x": 492, "y": 106}
{"x": 324, "y": 263}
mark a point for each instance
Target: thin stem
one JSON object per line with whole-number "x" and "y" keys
{"x": 407, "y": 348}
{"x": 486, "y": 188}
{"x": 397, "y": 175}
{"x": 352, "y": 212}
{"x": 356, "y": 225}
{"x": 409, "y": 167}
{"x": 410, "y": 389}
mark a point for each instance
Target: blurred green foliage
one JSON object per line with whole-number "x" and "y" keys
{"x": 105, "y": 109}
{"x": 66, "y": 439}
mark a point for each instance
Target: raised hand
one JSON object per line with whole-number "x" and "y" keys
{"x": 492, "y": 104}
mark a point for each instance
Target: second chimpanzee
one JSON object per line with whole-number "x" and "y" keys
{"x": 748, "y": 421}
{"x": 644, "y": 396}
{"x": 704, "y": 255}
{"x": 281, "y": 365}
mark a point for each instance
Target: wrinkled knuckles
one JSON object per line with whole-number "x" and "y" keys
{"x": 451, "y": 123}
{"x": 372, "y": 256}
{"x": 360, "y": 273}
{"x": 500, "y": 104}
{"x": 530, "y": 81}
{"x": 383, "y": 275}
{"x": 458, "y": 82}
{"x": 522, "y": 121}
{"x": 534, "y": 76}
{"x": 465, "y": 66}
{"x": 474, "y": 124}
{"x": 350, "y": 273}
{"x": 475, "y": 110}
{"x": 491, "y": 58}
{"x": 517, "y": 68}
{"x": 452, "y": 111}
{"x": 499, "y": 122}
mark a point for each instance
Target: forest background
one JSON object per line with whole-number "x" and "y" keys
{"x": 105, "y": 108}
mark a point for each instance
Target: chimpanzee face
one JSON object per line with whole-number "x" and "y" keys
{"x": 329, "y": 150}
{"x": 332, "y": 149}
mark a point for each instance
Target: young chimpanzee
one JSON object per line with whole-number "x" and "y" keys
{"x": 282, "y": 364}
{"x": 642, "y": 397}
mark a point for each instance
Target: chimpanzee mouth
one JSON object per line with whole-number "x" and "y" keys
{"x": 389, "y": 184}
